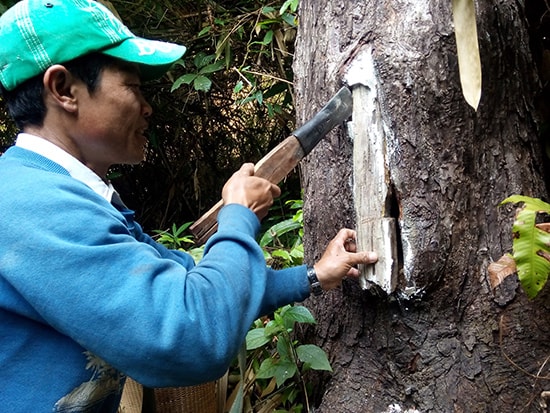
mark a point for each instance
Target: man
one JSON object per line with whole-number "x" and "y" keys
{"x": 86, "y": 298}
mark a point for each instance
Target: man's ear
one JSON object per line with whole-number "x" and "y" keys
{"x": 58, "y": 87}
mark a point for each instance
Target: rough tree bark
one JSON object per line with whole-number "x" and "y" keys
{"x": 443, "y": 341}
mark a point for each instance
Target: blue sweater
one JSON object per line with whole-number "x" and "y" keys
{"x": 87, "y": 298}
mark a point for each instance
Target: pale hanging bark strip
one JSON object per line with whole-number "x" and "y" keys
{"x": 469, "y": 64}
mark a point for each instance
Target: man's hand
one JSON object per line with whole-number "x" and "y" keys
{"x": 251, "y": 191}
{"x": 340, "y": 258}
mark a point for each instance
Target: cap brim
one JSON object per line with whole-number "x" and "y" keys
{"x": 153, "y": 57}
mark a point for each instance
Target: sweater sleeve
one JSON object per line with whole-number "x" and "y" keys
{"x": 147, "y": 311}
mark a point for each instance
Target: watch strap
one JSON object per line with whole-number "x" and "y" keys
{"x": 314, "y": 283}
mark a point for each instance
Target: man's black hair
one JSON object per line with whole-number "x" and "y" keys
{"x": 26, "y": 102}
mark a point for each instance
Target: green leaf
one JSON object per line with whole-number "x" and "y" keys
{"x": 196, "y": 253}
{"x": 256, "y": 338}
{"x": 313, "y": 357}
{"x": 290, "y": 19}
{"x": 283, "y": 348}
{"x": 268, "y": 37}
{"x": 268, "y": 10}
{"x": 297, "y": 313}
{"x": 221, "y": 47}
{"x": 270, "y": 111}
{"x": 531, "y": 245}
{"x": 297, "y": 253}
{"x": 267, "y": 255}
{"x": 534, "y": 204}
{"x": 293, "y": 4}
{"x": 277, "y": 88}
{"x": 202, "y": 83}
{"x": 204, "y": 31}
{"x": 273, "y": 328}
{"x": 202, "y": 59}
{"x": 284, "y": 255}
{"x": 279, "y": 229}
{"x": 281, "y": 370}
{"x": 238, "y": 87}
{"x": 187, "y": 79}
{"x": 259, "y": 96}
{"x": 214, "y": 67}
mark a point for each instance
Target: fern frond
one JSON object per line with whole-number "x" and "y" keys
{"x": 531, "y": 245}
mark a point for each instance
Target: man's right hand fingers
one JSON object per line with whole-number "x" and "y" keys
{"x": 246, "y": 169}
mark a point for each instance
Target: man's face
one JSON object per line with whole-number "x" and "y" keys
{"x": 113, "y": 120}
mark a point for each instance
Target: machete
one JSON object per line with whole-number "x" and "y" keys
{"x": 282, "y": 159}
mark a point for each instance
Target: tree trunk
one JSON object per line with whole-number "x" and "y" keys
{"x": 443, "y": 341}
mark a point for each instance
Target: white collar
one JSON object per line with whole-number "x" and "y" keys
{"x": 75, "y": 168}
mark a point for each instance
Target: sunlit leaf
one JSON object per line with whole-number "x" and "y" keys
{"x": 297, "y": 251}
{"x": 238, "y": 87}
{"x": 292, "y": 4}
{"x": 530, "y": 244}
{"x": 285, "y": 255}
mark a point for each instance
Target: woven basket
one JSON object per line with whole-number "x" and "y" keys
{"x": 203, "y": 398}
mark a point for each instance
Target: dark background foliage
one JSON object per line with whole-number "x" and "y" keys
{"x": 200, "y": 135}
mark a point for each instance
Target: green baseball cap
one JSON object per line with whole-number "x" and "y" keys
{"x": 36, "y": 34}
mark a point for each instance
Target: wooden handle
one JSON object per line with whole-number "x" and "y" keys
{"x": 274, "y": 167}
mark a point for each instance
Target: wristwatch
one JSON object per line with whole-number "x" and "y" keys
{"x": 314, "y": 283}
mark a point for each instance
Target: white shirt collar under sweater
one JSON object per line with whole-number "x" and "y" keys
{"x": 75, "y": 168}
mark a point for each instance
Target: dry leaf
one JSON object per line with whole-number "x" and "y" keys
{"x": 499, "y": 270}
{"x": 544, "y": 255}
{"x": 544, "y": 226}
{"x": 469, "y": 63}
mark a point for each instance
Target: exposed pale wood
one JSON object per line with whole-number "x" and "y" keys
{"x": 274, "y": 167}
{"x": 376, "y": 230}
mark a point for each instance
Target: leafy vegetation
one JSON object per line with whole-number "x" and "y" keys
{"x": 531, "y": 247}
{"x": 227, "y": 102}
{"x": 177, "y": 238}
{"x": 282, "y": 240}
{"x": 271, "y": 376}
